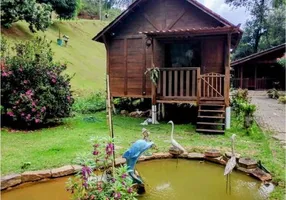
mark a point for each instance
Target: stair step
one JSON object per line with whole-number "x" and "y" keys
{"x": 209, "y": 130}
{"x": 218, "y": 111}
{"x": 210, "y": 123}
{"x": 212, "y": 105}
{"x": 211, "y": 117}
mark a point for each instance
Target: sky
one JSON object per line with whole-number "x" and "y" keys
{"x": 234, "y": 15}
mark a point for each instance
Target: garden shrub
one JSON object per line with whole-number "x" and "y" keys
{"x": 95, "y": 180}
{"x": 90, "y": 104}
{"x": 282, "y": 99}
{"x": 238, "y": 97}
{"x": 131, "y": 104}
{"x": 34, "y": 89}
{"x": 273, "y": 93}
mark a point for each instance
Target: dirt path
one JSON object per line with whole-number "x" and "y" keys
{"x": 270, "y": 115}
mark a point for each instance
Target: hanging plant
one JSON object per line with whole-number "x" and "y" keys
{"x": 154, "y": 74}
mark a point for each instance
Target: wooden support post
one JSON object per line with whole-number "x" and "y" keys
{"x": 198, "y": 85}
{"x": 153, "y": 90}
{"x": 241, "y": 76}
{"x": 255, "y": 76}
{"x": 227, "y": 71}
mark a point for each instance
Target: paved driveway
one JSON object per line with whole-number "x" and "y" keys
{"x": 270, "y": 115}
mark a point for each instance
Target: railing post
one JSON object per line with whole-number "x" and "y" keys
{"x": 198, "y": 85}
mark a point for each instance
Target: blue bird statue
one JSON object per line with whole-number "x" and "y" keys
{"x": 132, "y": 155}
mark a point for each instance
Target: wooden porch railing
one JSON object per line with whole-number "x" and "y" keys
{"x": 178, "y": 83}
{"x": 212, "y": 86}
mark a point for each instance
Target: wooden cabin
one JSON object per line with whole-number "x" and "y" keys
{"x": 260, "y": 71}
{"x": 190, "y": 45}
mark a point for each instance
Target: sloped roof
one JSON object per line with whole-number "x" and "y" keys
{"x": 195, "y": 3}
{"x": 280, "y": 47}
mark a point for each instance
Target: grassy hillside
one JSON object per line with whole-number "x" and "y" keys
{"x": 85, "y": 57}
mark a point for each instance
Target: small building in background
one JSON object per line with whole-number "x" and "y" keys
{"x": 260, "y": 71}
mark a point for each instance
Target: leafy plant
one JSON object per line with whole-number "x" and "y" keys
{"x": 248, "y": 114}
{"x": 282, "y": 61}
{"x": 273, "y": 93}
{"x": 131, "y": 104}
{"x": 238, "y": 97}
{"x": 37, "y": 15}
{"x": 34, "y": 91}
{"x": 95, "y": 180}
{"x": 90, "y": 104}
{"x": 282, "y": 99}
{"x": 154, "y": 74}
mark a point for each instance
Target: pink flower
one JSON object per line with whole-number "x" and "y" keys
{"x": 17, "y": 102}
{"x": 25, "y": 81}
{"x": 14, "y": 107}
{"x": 28, "y": 117}
{"x": 22, "y": 114}
{"x": 37, "y": 121}
{"x": 43, "y": 109}
{"x": 4, "y": 74}
{"x": 10, "y": 72}
{"x": 10, "y": 113}
{"x": 34, "y": 110}
{"x": 33, "y": 103}
{"x": 54, "y": 80}
{"x": 20, "y": 69}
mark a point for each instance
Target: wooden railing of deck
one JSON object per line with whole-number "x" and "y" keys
{"x": 178, "y": 83}
{"x": 212, "y": 86}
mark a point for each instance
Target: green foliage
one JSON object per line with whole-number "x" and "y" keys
{"x": 34, "y": 91}
{"x": 37, "y": 15}
{"x": 273, "y": 93}
{"x": 265, "y": 29}
{"x": 95, "y": 181}
{"x": 282, "y": 61}
{"x": 65, "y": 9}
{"x": 154, "y": 74}
{"x": 282, "y": 99}
{"x": 243, "y": 108}
{"x": 131, "y": 104}
{"x": 90, "y": 104}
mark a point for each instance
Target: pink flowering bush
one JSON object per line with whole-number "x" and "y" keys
{"x": 34, "y": 89}
{"x": 95, "y": 180}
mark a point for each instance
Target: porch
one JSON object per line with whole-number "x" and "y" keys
{"x": 188, "y": 85}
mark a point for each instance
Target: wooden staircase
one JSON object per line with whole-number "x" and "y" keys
{"x": 211, "y": 117}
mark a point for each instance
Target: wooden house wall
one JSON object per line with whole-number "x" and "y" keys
{"x": 128, "y": 55}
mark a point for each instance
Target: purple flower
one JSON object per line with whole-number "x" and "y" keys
{"x": 95, "y": 153}
{"x": 117, "y": 195}
{"x": 86, "y": 171}
{"x": 123, "y": 176}
{"x": 130, "y": 190}
{"x": 10, "y": 113}
{"x": 109, "y": 149}
{"x": 43, "y": 109}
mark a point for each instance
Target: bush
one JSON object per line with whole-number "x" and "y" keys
{"x": 34, "y": 90}
{"x": 94, "y": 181}
{"x": 131, "y": 104}
{"x": 282, "y": 99}
{"x": 91, "y": 104}
{"x": 273, "y": 93}
{"x": 238, "y": 97}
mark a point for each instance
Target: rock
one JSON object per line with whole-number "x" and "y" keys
{"x": 117, "y": 147}
{"x": 35, "y": 175}
{"x": 213, "y": 153}
{"x": 195, "y": 155}
{"x": 120, "y": 161}
{"x": 136, "y": 114}
{"x": 124, "y": 112}
{"x": 77, "y": 168}
{"x": 62, "y": 171}
{"x": 229, "y": 154}
{"x": 161, "y": 155}
{"x": 218, "y": 160}
{"x": 183, "y": 155}
{"x": 175, "y": 151}
{"x": 10, "y": 181}
{"x": 247, "y": 163}
{"x": 260, "y": 174}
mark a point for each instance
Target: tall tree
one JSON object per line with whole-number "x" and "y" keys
{"x": 36, "y": 14}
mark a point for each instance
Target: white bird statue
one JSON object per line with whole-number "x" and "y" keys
{"x": 174, "y": 142}
{"x": 230, "y": 165}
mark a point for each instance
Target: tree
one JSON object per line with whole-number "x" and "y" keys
{"x": 265, "y": 29}
{"x": 66, "y": 9}
{"x": 37, "y": 15}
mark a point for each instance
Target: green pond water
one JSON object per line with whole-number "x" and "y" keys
{"x": 168, "y": 179}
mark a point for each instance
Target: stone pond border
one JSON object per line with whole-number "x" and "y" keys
{"x": 12, "y": 180}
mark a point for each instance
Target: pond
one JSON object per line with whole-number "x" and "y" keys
{"x": 165, "y": 179}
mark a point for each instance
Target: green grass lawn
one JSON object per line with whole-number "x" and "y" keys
{"x": 60, "y": 145}
{"x": 85, "y": 58}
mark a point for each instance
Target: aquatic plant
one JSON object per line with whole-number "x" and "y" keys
{"x": 96, "y": 180}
